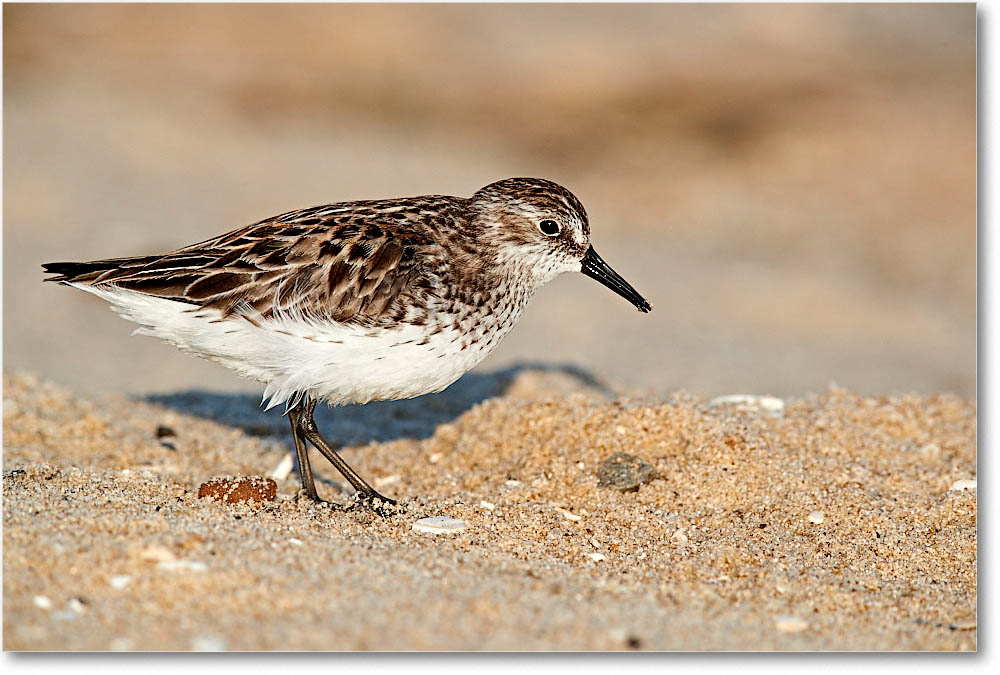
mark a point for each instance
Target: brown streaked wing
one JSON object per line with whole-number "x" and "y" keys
{"x": 351, "y": 271}
{"x": 359, "y": 284}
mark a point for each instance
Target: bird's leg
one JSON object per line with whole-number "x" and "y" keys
{"x": 367, "y": 495}
{"x": 302, "y": 454}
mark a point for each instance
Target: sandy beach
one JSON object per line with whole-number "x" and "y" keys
{"x": 833, "y": 522}
{"x": 793, "y": 187}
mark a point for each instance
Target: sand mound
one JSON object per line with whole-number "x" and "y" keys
{"x": 832, "y": 522}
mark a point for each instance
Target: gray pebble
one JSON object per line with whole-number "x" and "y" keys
{"x": 624, "y": 472}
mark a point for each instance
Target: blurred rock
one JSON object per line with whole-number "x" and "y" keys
{"x": 624, "y": 472}
{"x": 232, "y": 490}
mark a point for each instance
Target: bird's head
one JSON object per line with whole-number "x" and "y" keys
{"x": 541, "y": 228}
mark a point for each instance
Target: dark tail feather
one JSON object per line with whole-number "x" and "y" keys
{"x": 69, "y": 271}
{"x": 94, "y": 270}
{"x": 80, "y": 271}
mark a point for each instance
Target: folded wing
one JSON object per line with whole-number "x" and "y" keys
{"x": 318, "y": 263}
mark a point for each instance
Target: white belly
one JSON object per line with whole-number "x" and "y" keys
{"x": 330, "y": 361}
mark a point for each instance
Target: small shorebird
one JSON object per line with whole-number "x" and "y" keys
{"x": 356, "y": 301}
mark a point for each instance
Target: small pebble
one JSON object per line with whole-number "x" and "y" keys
{"x": 568, "y": 515}
{"x": 282, "y": 469}
{"x": 816, "y": 517}
{"x": 119, "y": 581}
{"x": 157, "y": 553}
{"x": 597, "y": 557}
{"x": 624, "y": 472}
{"x": 489, "y": 506}
{"x": 439, "y": 525}
{"x": 163, "y": 431}
{"x": 295, "y": 542}
{"x": 788, "y": 623}
{"x": 182, "y": 565}
{"x": 512, "y": 483}
{"x": 771, "y": 405}
{"x": 964, "y": 485}
{"x": 239, "y": 489}
{"x": 435, "y": 458}
{"x": 42, "y": 602}
{"x": 76, "y": 605}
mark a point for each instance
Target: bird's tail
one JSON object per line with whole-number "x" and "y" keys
{"x": 88, "y": 272}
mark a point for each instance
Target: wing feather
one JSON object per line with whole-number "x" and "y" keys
{"x": 326, "y": 263}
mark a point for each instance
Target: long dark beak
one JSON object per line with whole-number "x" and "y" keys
{"x": 595, "y": 268}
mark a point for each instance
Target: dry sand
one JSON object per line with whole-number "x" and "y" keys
{"x": 793, "y": 187}
{"x": 841, "y": 523}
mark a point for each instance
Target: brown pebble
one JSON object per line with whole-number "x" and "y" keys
{"x": 624, "y": 472}
{"x": 231, "y": 490}
{"x": 163, "y": 431}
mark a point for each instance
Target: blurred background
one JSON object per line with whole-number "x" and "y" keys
{"x": 792, "y": 186}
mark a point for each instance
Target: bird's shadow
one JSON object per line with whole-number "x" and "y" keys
{"x": 379, "y": 421}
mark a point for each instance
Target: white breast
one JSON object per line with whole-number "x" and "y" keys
{"x": 335, "y": 362}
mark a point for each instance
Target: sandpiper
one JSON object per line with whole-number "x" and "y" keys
{"x": 356, "y": 301}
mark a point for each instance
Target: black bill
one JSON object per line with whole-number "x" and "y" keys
{"x": 595, "y": 268}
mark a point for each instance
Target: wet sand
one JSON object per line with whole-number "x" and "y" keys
{"x": 832, "y": 522}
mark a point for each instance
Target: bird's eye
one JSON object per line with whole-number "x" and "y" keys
{"x": 549, "y": 227}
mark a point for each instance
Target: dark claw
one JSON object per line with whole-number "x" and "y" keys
{"x": 376, "y": 503}
{"x": 304, "y": 494}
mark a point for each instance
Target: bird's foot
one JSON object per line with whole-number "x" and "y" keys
{"x": 307, "y": 497}
{"x": 376, "y": 503}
